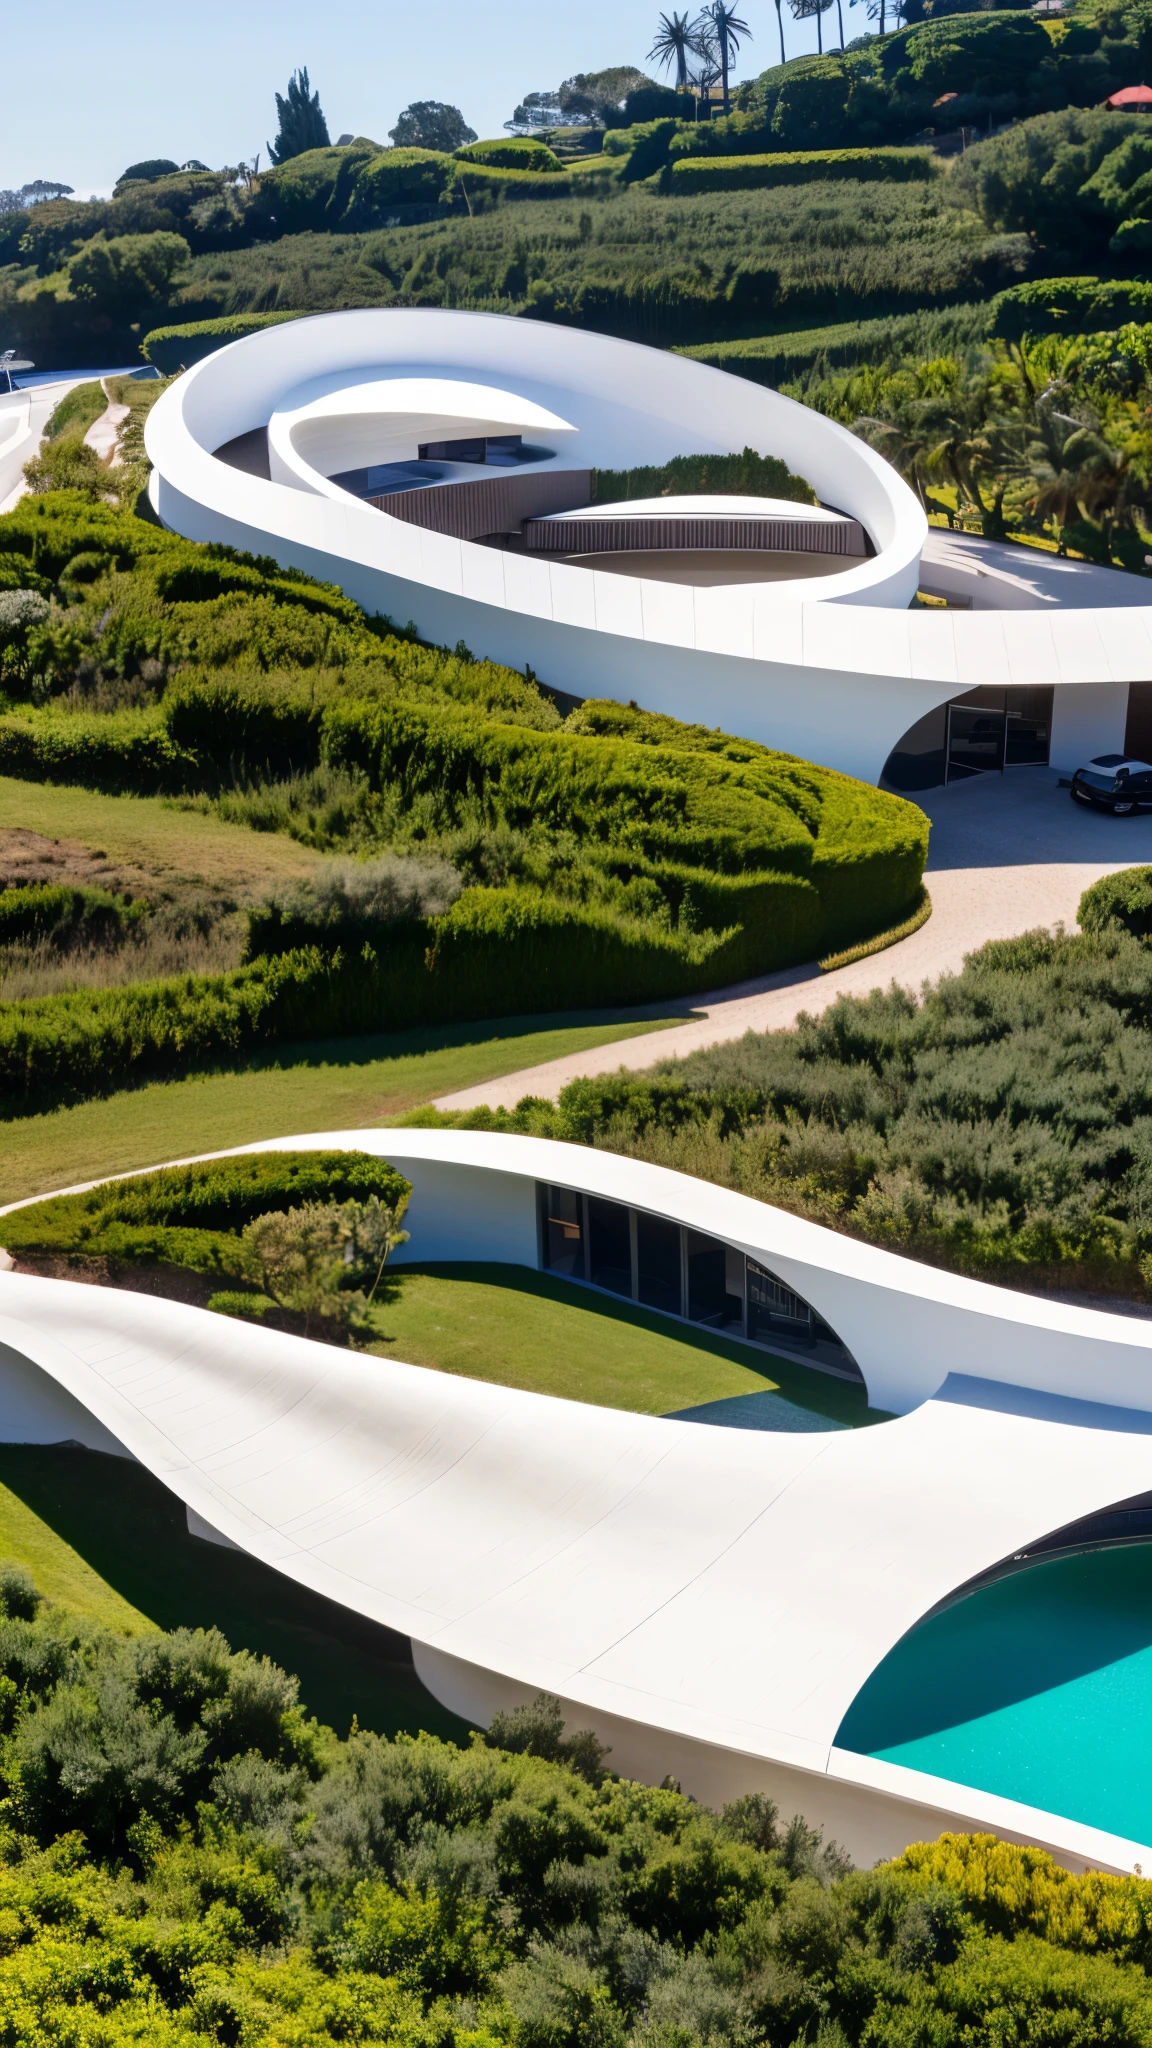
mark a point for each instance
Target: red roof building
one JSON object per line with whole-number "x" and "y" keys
{"x": 1131, "y": 99}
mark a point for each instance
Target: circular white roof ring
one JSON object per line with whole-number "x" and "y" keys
{"x": 820, "y": 656}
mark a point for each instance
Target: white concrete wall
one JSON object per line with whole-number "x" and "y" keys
{"x": 725, "y": 1590}
{"x": 36, "y": 1409}
{"x": 1087, "y": 719}
{"x": 836, "y": 674}
{"x": 872, "y": 1821}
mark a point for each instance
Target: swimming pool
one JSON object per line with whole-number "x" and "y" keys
{"x": 1037, "y": 1688}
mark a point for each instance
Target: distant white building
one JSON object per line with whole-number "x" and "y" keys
{"x": 438, "y": 466}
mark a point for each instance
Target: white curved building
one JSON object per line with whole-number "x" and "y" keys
{"x": 437, "y": 467}
{"x": 711, "y": 1600}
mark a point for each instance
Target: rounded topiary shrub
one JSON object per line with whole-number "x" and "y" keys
{"x": 1119, "y": 903}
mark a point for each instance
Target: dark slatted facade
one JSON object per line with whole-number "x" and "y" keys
{"x": 492, "y": 504}
{"x": 612, "y": 536}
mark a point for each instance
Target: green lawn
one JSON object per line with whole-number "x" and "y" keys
{"x": 518, "y": 1328}
{"x": 339, "y": 1084}
{"x": 154, "y": 834}
{"x": 103, "y": 1538}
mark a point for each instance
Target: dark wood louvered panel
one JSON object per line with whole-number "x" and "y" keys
{"x": 491, "y": 504}
{"x": 612, "y": 536}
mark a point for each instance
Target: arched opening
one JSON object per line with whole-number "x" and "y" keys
{"x": 680, "y": 1272}
{"x": 984, "y": 731}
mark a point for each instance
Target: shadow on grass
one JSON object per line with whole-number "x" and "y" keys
{"x": 397, "y": 1045}
{"x": 134, "y": 1533}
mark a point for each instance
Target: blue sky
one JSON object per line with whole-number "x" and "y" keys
{"x": 105, "y": 86}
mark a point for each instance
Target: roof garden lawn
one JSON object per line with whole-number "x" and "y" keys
{"x": 106, "y": 1540}
{"x": 517, "y": 1328}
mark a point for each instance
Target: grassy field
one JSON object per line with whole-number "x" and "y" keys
{"x": 339, "y": 1085}
{"x": 105, "y": 1539}
{"x": 154, "y": 834}
{"x": 523, "y": 1329}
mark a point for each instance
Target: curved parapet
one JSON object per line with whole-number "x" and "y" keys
{"x": 711, "y": 1600}
{"x": 425, "y": 461}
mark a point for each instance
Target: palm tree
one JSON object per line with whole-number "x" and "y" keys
{"x": 718, "y": 31}
{"x": 780, "y": 26}
{"x": 675, "y": 41}
{"x": 803, "y": 10}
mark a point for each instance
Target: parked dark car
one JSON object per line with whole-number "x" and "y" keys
{"x": 1114, "y": 782}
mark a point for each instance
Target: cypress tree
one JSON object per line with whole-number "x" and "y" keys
{"x": 302, "y": 125}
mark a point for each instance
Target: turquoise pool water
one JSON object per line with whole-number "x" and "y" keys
{"x": 1038, "y": 1688}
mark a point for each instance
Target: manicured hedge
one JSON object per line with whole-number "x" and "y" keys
{"x": 398, "y": 177}
{"x": 490, "y": 180}
{"x": 643, "y": 857}
{"x": 496, "y": 953}
{"x": 799, "y": 167}
{"x": 177, "y": 348}
{"x": 214, "y": 1196}
{"x": 1117, "y": 903}
{"x": 1069, "y": 305}
{"x": 57, "y": 912}
{"x": 122, "y": 752}
{"x": 509, "y": 154}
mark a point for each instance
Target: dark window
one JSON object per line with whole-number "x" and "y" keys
{"x": 564, "y": 1232}
{"x": 454, "y": 451}
{"x": 658, "y": 1263}
{"x": 610, "y": 1245}
{"x": 706, "y": 1289}
{"x": 975, "y": 739}
{"x": 1029, "y": 713}
{"x": 773, "y": 1309}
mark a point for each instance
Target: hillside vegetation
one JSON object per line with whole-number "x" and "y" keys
{"x": 506, "y": 860}
{"x": 188, "y": 1859}
{"x": 997, "y": 1127}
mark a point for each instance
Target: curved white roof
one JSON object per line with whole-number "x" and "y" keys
{"x": 706, "y": 506}
{"x": 735, "y": 1587}
{"x": 834, "y": 668}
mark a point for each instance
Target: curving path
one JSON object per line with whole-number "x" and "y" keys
{"x": 1008, "y": 853}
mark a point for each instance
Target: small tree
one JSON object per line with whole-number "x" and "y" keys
{"x": 376, "y": 1232}
{"x": 299, "y": 1256}
{"x": 302, "y": 125}
{"x": 429, "y": 124}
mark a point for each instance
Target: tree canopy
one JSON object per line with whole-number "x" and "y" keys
{"x": 302, "y": 125}
{"x": 430, "y": 124}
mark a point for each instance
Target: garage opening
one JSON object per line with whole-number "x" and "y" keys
{"x": 985, "y": 731}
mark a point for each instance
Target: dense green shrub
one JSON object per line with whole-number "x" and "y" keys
{"x": 746, "y": 475}
{"x": 177, "y": 348}
{"x": 398, "y": 177}
{"x": 64, "y": 916}
{"x": 194, "y": 1215}
{"x": 800, "y": 167}
{"x": 124, "y": 752}
{"x": 1118, "y": 903}
{"x": 997, "y": 1127}
{"x": 616, "y": 858}
{"x": 188, "y": 1860}
{"x": 510, "y": 153}
{"x": 1068, "y": 305}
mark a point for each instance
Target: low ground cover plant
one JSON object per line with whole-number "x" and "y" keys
{"x": 998, "y": 1127}
{"x": 510, "y": 860}
{"x": 188, "y": 1859}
